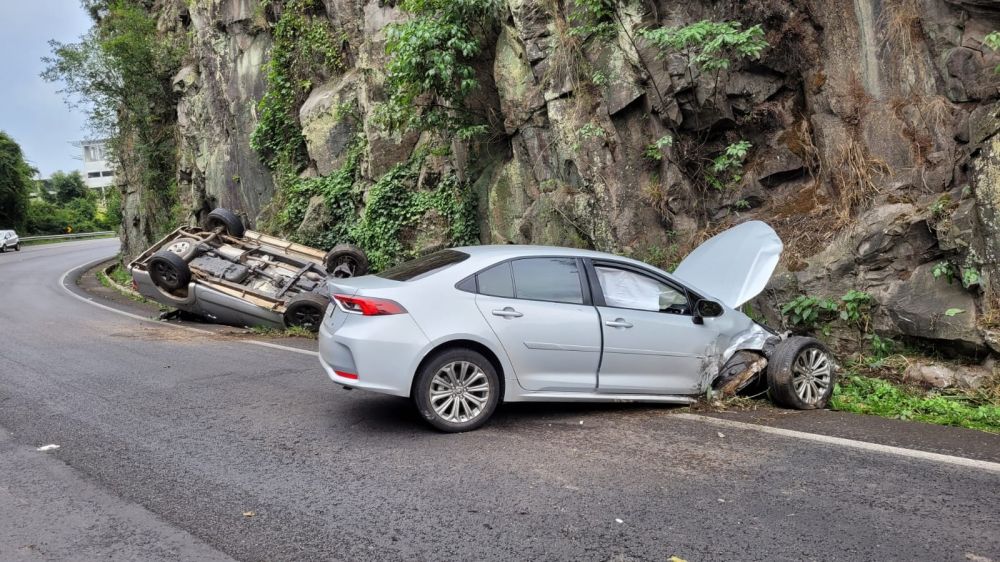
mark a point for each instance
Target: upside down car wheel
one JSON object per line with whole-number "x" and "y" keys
{"x": 306, "y": 311}
{"x": 801, "y": 374}
{"x": 230, "y": 223}
{"x": 169, "y": 271}
{"x": 346, "y": 260}
{"x": 457, "y": 390}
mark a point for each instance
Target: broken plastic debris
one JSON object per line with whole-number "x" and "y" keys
{"x": 676, "y": 559}
{"x": 721, "y": 434}
{"x": 619, "y": 521}
{"x": 44, "y": 448}
{"x": 249, "y": 513}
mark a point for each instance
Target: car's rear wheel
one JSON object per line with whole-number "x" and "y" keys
{"x": 346, "y": 260}
{"x": 306, "y": 310}
{"x": 17, "y": 247}
{"x": 457, "y": 390}
{"x": 801, "y": 374}
{"x": 230, "y": 223}
{"x": 169, "y": 271}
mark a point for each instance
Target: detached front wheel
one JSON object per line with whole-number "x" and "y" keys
{"x": 457, "y": 390}
{"x": 801, "y": 374}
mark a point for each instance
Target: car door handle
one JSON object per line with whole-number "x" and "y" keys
{"x": 618, "y": 323}
{"x": 507, "y": 312}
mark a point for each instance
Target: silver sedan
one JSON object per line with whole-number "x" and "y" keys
{"x": 461, "y": 330}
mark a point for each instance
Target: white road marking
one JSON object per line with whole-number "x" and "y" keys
{"x": 62, "y": 282}
{"x": 842, "y": 442}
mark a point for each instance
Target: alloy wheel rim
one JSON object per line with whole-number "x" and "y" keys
{"x": 459, "y": 392}
{"x": 307, "y": 318}
{"x": 179, "y": 248}
{"x": 166, "y": 273}
{"x": 812, "y": 373}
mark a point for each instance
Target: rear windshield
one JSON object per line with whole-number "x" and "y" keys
{"x": 424, "y": 266}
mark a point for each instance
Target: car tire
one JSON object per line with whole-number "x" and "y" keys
{"x": 3, "y": 249}
{"x": 232, "y": 225}
{"x": 17, "y": 247}
{"x": 306, "y": 310}
{"x": 169, "y": 271}
{"x": 465, "y": 372}
{"x": 801, "y": 373}
{"x": 183, "y": 247}
{"x": 346, "y": 260}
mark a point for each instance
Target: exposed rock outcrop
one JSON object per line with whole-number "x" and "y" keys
{"x": 873, "y": 125}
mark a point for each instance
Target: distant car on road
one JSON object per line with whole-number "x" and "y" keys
{"x": 231, "y": 275}
{"x": 461, "y": 330}
{"x": 9, "y": 240}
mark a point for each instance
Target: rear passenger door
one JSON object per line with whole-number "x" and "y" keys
{"x": 541, "y": 312}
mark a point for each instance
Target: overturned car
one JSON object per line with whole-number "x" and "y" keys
{"x": 227, "y": 274}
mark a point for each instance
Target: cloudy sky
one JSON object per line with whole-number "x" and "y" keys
{"x": 30, "y": 109}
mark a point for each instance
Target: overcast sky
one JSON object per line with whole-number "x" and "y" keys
{"x": 30, "y": 109}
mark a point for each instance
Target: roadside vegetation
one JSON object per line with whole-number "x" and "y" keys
{"x": 293, "y": 332}
{"x": 63, "y": 204}
{"x": 15, "y": 184}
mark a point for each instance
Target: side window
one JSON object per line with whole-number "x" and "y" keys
{"x": 547, "y": 279}
{"x": 626, "y": 289}
{"x": 496, "y": 281}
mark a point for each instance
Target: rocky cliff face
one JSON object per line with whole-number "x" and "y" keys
{"x": 872, "y": 123}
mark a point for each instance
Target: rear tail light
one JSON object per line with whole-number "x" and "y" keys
{"x": 368, "y": 306}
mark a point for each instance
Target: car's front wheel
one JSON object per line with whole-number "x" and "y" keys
{"x": 801, "y": 373}
{"x": 17, "y": 247}
{"x": 457, "y": 390}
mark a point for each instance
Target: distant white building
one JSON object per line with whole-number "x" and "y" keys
{"x": 97, "y": 170}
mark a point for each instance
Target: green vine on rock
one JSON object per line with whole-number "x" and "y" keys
{"x": 395, "y": 205}
{"x": 430, "y": 73}
{"x": 306, "y": 48}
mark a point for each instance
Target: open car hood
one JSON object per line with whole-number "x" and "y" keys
{"x": 733, "y": 266}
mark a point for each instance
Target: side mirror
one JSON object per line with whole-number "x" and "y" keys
{"x": 705, "y": 308}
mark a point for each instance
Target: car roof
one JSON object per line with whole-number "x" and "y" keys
{"x": 497, "y": 253}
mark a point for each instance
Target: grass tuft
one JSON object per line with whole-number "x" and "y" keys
{"x": 867, "y": 395}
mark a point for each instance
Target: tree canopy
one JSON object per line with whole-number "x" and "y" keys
{"x": 15, "y": 183}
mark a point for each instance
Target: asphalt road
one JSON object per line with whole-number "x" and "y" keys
{"x": 185, "y": 446}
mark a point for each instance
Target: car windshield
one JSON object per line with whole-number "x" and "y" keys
{"x": 424, "y": 266}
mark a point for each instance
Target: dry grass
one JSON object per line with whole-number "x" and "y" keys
{"x": 856, "y": 176}
{"x": 900, "y": 25}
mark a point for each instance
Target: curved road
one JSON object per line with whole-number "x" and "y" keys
{"x": 182, "y": 446}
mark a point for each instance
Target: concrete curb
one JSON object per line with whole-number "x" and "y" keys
{"x": 119, "y": 287}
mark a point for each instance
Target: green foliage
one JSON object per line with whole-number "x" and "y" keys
{"x": 67, "y": 187}
{"x": 992, "y": 40}
{"x": 306, "y": 48}
{"x": 394, "y": 205}
{"x": 941, "y": 205}
{"x": 953, "y": 312}
{"x": 726, "y": 169}
{"x": 881, "y": 348}
{"x": 121, "y": 73}
{"x": 81, "y": 214}
{"x": 944, "y": 269}
{"x": 970, "y": 277}
{"x": 654, "y": 151}
{"x": 856, "y": 306}
{"x": 430, "y": 72}
{"x": 594, "y": 17}
{"x": 865, "y": 395}
{"x": 709, "y": 46}
{"x": 599, "y": 78}
{"x": 15, "y": 184}
{"x": 806, "y": 310}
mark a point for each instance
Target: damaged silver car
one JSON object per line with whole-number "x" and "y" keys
{"x": 461, "y": 330}
{"x": 227, "y": 274}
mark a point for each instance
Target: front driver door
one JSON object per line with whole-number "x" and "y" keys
{"x": 651, "y": 344}
{"x": 544, "y": 319}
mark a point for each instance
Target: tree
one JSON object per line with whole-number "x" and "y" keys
{"x": 67, "y": 186}
{"x": 15, "y": 183}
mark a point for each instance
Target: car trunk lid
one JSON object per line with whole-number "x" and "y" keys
{"x": 733, "y": 266}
